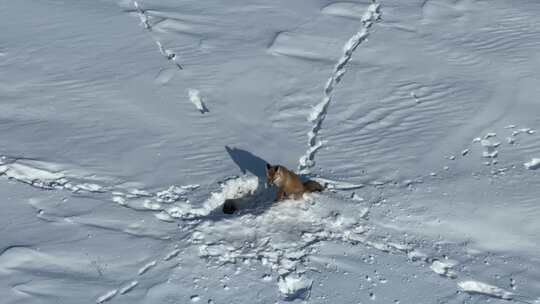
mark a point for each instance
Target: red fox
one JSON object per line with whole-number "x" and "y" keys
{"x": 288, "y": 183}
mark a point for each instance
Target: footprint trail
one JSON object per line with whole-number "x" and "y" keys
{"x": 170, "y": 55}
{"x": 318, "y": 113}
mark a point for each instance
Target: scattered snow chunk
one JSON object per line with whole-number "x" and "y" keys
{"x": 533, "y": 164}
{"x": 294, "y": 287}
{"x": 523, "y": 130}
{"x": 164, "y": 216}
{"x": 416, "y": 255}
{"x": 489, "y": 147}
{"x": 492, "y": 154}
{"x": 490, "y": 134}
{"x": 138, "y": 193}
{"x": 171, "y": 195}
{"x": 119, "y": 200}
{"x": 476, "y": 287}
{"x": 443, "y": 268}
{"x": 88, "y": 187}
{"x": 148, "y": 204}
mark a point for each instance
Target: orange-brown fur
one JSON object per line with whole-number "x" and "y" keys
{"x": 288, "y": 183}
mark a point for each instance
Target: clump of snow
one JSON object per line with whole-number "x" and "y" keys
{"x": 533, "y": 164}
{"x": 490, "y": 148}
{"x": 295, "y": 287}
{"x": 174, "y": 193}
{"x": 230, "y": 189}
{"x": 444, "y": 268}
{"x": 485, "y": 289}
{"x": 33, "y": 175}
{"x": 195, "y": 98}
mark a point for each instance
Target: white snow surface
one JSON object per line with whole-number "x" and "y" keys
{"x": 420, "y": 117}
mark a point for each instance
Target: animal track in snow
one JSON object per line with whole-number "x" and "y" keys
{"x": 129, "y": 287}
{"x": 107, "y": 296}
{"x": 147, "y": 267}
{"x": 318, "y": 113}
{"x": 169, "y": 54}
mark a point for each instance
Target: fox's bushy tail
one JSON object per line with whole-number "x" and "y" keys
{"x": 313, "y": 186}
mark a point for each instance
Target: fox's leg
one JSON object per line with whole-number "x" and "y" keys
{"x": 280, "y": 195}
{"x": 297, "y": 196}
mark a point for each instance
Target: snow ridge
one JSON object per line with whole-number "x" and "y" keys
{"x": 51, "y": 176}
{"x": 318, "y": 113}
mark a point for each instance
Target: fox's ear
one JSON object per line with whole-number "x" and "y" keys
{"x": 268, "y": 166}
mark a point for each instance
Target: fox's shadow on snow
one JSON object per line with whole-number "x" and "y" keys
{"x": 256, "y": 203}
{"x": 248, "y": 162}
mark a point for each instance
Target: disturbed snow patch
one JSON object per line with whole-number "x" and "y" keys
{"x": 231, "y": 189}
{"x": 279, "y": 237}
